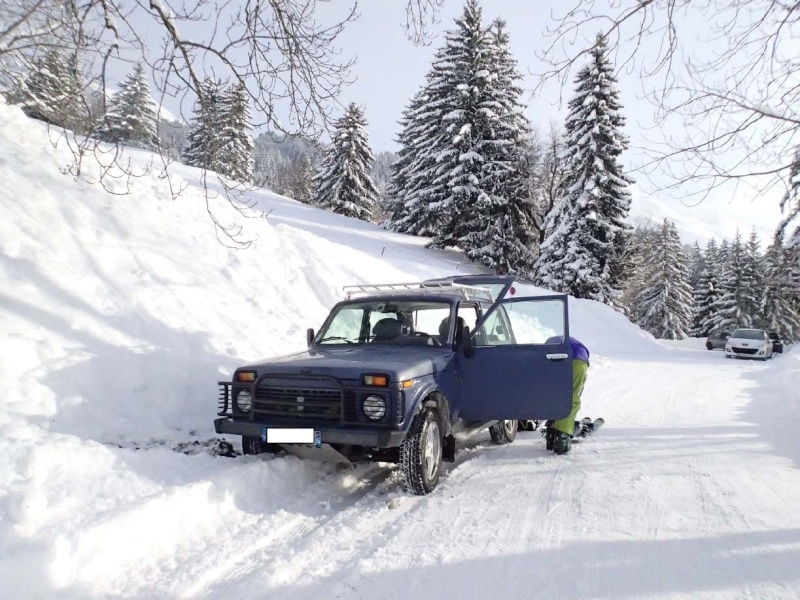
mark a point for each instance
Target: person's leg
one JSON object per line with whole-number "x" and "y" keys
{"x": 580, "y": 370}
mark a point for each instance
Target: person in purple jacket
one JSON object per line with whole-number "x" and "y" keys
{"x": 559, "y": 433}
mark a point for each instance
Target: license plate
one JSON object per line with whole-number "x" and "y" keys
{"x": 273, "y": 435}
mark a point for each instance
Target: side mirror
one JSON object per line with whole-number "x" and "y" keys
{"x": 469, "y": 349}
{"x": 309, "y": 336}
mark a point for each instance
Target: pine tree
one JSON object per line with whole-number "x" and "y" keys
{"x": 664, "y": 306}
{"x": 588, "y": 235}
{"x": 130, "y": 118}
{"x": 790, "y": 204}
{"x": 706, "y": 292}
{"x": 697, "y": 264}
{"x": 53, "y": 91}
{"x": 343, "y": 184}
{"x": 235, "y": 155}
{"x": 204, "y": 144}
{"x": 753, "y": 272}
{"x": 503, "y": 235}
{"x": 301, "y": 179}
{"x": 411, "y": 190}
{"x": 462, "y": 171}
{"x": 738, "y": 295}
{"x": 777, "y": 312}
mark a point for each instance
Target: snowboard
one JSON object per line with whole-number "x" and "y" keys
{"x": 585, "y": 427}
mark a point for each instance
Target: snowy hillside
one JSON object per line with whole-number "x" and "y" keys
{"x": 121, "y": 312}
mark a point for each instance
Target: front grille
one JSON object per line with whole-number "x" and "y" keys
{"x": 224, "y": 399}
{"x": 744, "y": 350}
{"x": 298, "y": 403}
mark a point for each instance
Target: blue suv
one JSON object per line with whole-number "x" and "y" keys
{"x": 397, "y": 370}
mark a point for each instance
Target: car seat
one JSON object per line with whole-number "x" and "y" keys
{"x": 444, "y": 329}
{"x": 385, "y": 330}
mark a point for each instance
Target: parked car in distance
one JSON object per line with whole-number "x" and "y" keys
{"x": 717, "y": 340}
{"x": 777, "y": 342}
{"x": 749, "y": 343}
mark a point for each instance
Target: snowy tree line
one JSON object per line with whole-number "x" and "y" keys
{"x": 674, "y": 294}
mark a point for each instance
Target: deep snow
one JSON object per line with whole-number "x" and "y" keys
{"x": 120, "y": 313}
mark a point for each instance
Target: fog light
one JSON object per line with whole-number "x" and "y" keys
{"x": 243, "y": 400}
{"x": 374, "y": 407}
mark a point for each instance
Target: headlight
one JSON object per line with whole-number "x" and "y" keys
{"x": 243, "y": 400}
{"x": 374, "y": 407}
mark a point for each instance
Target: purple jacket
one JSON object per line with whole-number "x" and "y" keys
{"x": 579, "y": 351}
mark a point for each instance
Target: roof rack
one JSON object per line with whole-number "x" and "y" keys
{"x": 467, "y": 292}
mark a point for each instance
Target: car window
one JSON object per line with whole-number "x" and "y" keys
{"x": 524, "y": 322}
{"x": 749, "y": 334}
{"x": 378, "y": 321}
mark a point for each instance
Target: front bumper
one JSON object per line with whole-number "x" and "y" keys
{"x": 369, "y": 439}
{"x": 752, "y": 353}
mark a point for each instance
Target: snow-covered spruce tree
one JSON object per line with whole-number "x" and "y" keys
{"x": 204, "y": 144}
{"x": 503, "y": 235}
{"x": 642, "y": 241}
{"x": 53, "y": 91}
{"x": 581, "y": 256}
{"x": 461, "y": 175}
{"x": 697, "y": 263}
{"x": 706, "y": 291}
{"x": 777, "y": 312}
{"x": 411, "y": 189}
{"x": 664, "y": 306}
{"x": 301, "y": 179}
{"x": 738, "y": 295}
{"x": 753, "y": 271}
{"x": 130, "y": 117}
{"x": 790, "y": 204}
{"x": 343, "y": 184}
{"x": 235, "y": 155}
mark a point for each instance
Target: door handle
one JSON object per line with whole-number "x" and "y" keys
{"x": 559, "y": 356}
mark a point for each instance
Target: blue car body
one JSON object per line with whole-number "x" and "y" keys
{"x": 508, "y": 367}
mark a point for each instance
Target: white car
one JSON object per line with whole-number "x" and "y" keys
{"x": 749, "y": 343}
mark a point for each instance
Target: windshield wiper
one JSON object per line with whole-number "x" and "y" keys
{"x": 336, "y": 338}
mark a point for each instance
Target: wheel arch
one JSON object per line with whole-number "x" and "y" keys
{"x": 431, "y": 395}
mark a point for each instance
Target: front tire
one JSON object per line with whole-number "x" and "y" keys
{"x": 504, "y": 432}
{"x": 709, "y": 346}
{"x": 421, "y": 453}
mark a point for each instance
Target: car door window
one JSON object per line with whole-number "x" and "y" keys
{"x": 495, "y": 331}
{"x": 468, "y": 312}
{"x": 523, "y": 322}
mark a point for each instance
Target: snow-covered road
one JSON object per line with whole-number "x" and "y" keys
{"x": 681, "y": 495}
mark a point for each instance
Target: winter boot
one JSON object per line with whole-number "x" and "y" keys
{"x": 562, "y": 442}
{"x": 549, "y": 435}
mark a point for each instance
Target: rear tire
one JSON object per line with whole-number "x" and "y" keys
{"x": 709, "y": 346}
{"x": 421, "y": 453}
{"x": 504, "y": 432}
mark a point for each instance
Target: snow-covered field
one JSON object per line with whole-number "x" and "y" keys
{"x": 120, "y": 313}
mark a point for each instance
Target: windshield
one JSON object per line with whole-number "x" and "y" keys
{"x": 403, "y": 322}
{"x": 748, "y": 334}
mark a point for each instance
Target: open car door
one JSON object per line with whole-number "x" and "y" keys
{"x": 521, "y": 367}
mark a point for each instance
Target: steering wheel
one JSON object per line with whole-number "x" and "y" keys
{"x": 432, "y": 341}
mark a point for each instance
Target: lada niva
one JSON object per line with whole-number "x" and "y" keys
{"x": 397, "y": 370}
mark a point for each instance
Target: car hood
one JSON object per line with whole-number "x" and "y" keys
{"x": 399, "y": 362}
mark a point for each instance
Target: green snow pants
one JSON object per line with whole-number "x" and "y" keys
{"x": 579, "y": 372}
